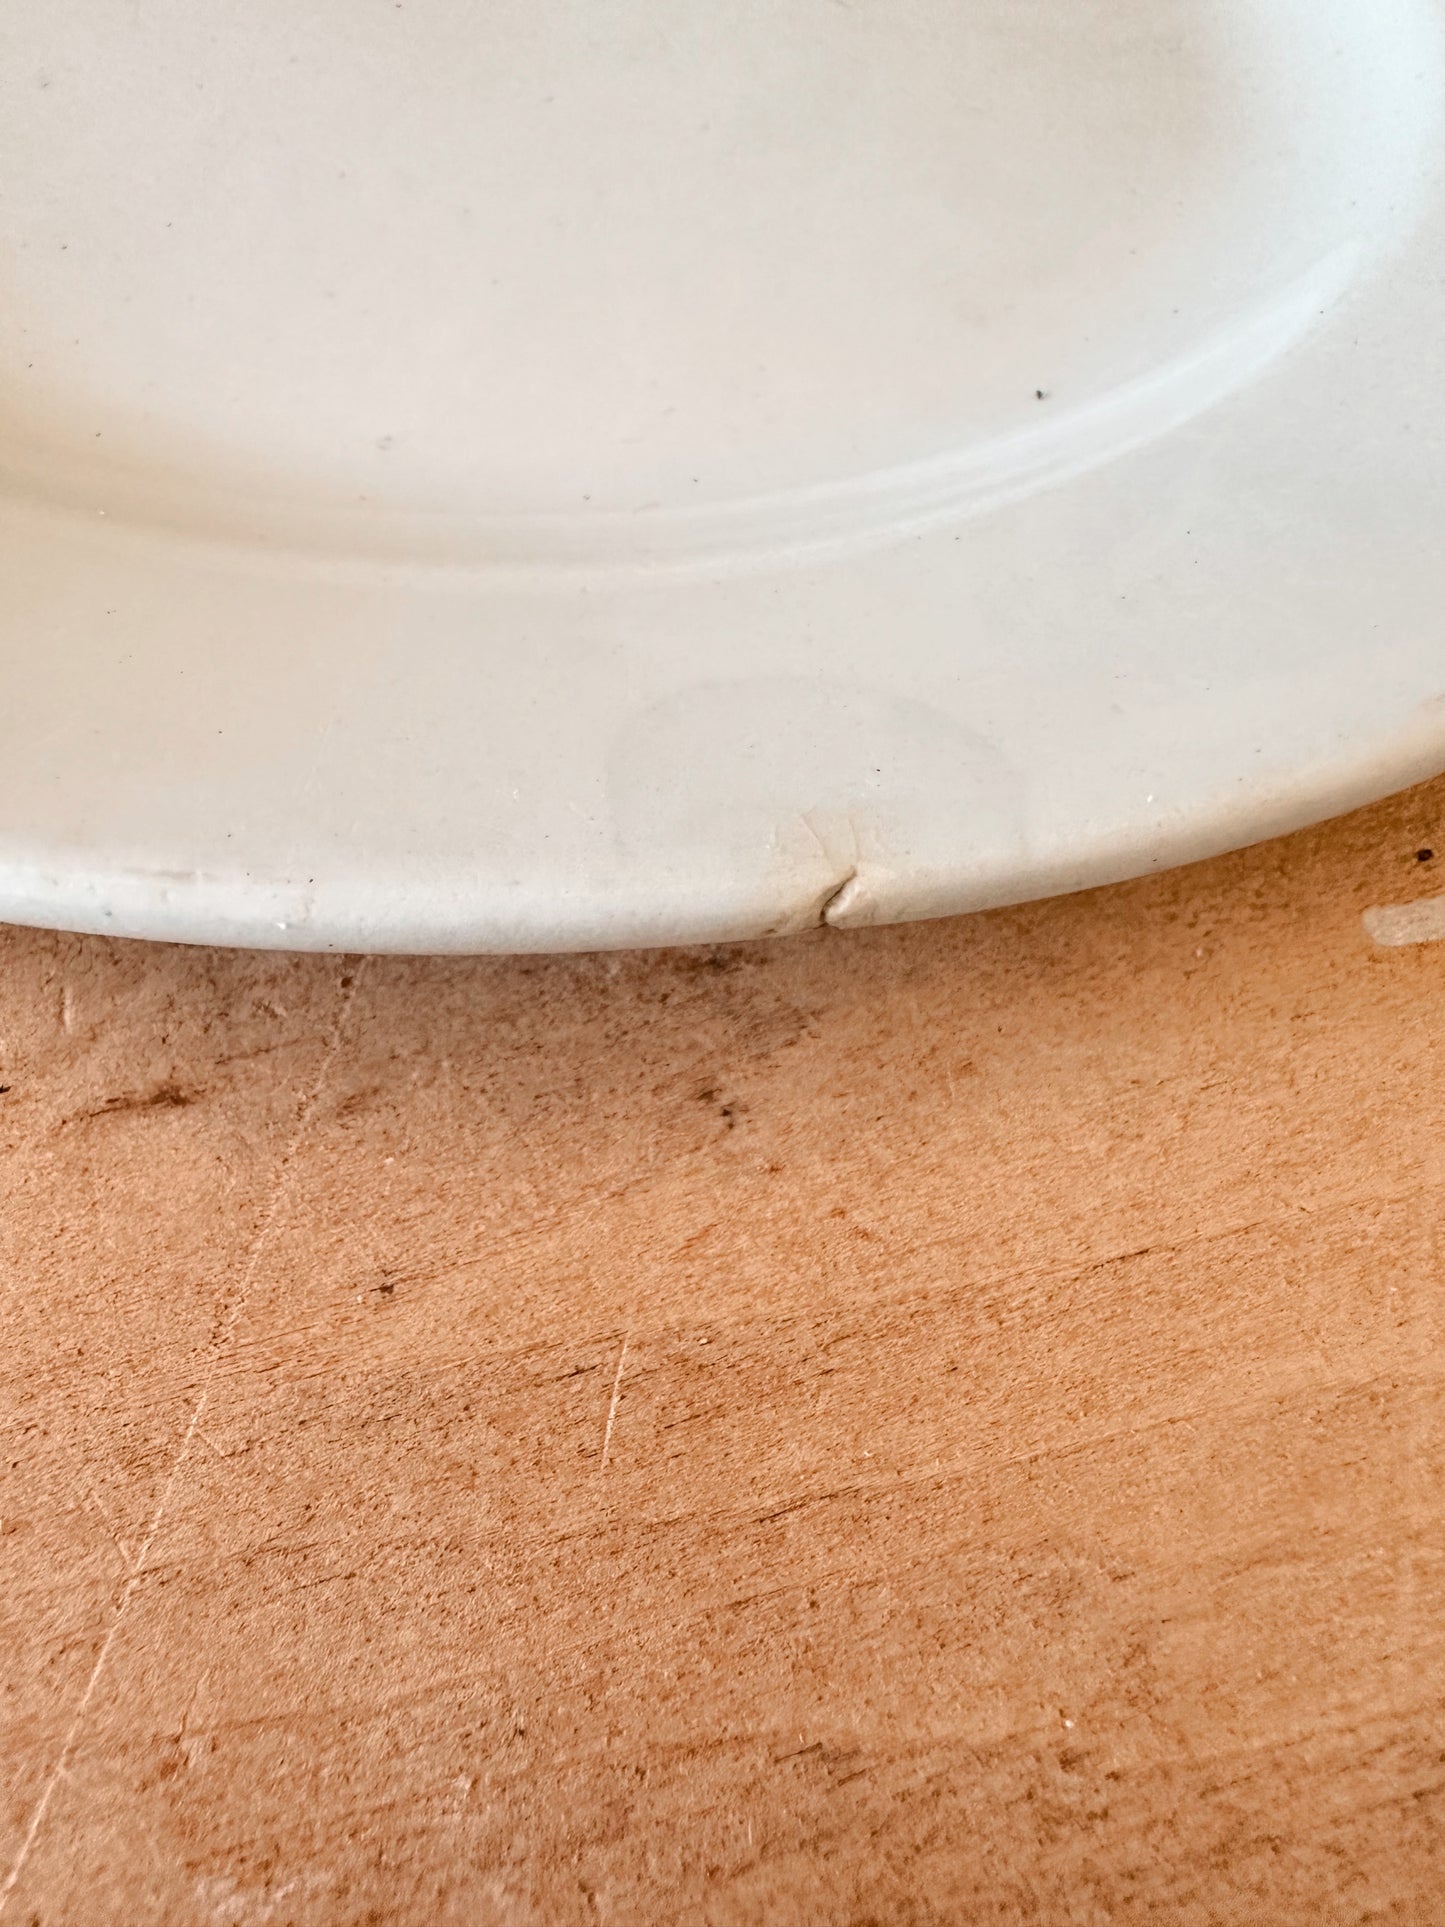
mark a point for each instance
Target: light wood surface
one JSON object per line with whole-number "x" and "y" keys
{"x": 938, "y": 1425}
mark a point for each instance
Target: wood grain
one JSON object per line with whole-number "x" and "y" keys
{"x": 930, "y": 1426}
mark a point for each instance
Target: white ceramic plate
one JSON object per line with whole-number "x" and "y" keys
{"x": 548, "y": 473}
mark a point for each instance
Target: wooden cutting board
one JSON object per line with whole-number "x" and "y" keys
{"x": 934, "y": 1425}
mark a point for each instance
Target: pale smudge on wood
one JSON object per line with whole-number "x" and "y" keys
{"x": 1394, "y": 925}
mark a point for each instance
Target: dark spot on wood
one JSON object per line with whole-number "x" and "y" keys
{"x": 1424, "y": 856}
{"x": 712, "y": 961}
{"x": 161, "y": 1098}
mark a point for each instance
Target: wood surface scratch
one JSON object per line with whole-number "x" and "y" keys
{"x": 612, "y": 1406}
